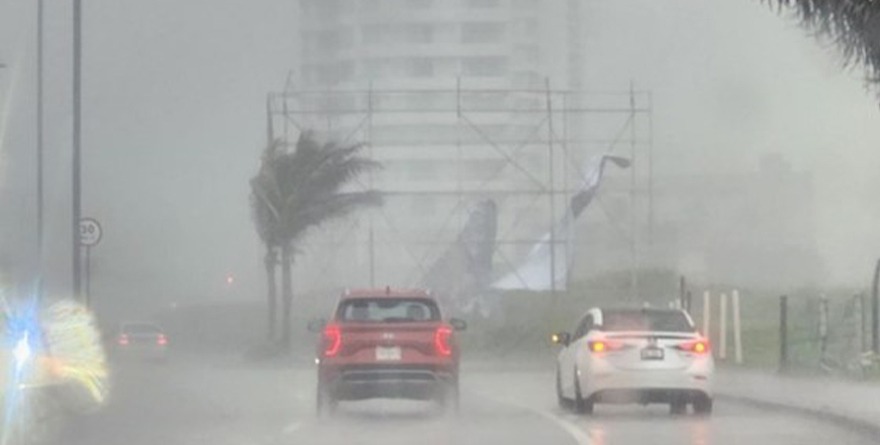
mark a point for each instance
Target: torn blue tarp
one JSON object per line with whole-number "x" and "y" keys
{"x": 463, "y": 274}
{"x": 544, "y": 265}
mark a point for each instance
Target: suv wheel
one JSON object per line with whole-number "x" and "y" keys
{"x": 325, "y": 403}
{"x": 450, "y": 400}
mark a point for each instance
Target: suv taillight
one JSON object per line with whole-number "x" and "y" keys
{"x": 332, "y": 338}
{"x": 162, "y": 340}
{"x": 442, "y": 340}
{"x": 123, "y": 340}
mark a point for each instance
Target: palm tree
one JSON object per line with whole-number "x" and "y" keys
{"x": 299, "y": 190}
{"x": 853, "y": 25}
{"x": 266, "y": 220}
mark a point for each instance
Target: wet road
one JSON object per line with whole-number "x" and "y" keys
{"x": 221, "y": 401}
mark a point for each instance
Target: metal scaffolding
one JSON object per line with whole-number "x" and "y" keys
{"x": 445, "y": 149}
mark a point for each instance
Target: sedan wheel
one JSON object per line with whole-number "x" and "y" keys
{"x": 678, "y": 407}
{"x": 560, "y": 398}
{"x": 581, "y": 405}
{"x": 703, "y": 405}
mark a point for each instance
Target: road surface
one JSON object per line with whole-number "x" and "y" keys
{"x": 225, "y": 401}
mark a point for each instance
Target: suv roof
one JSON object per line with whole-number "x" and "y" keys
{"x": 388, "y": 292}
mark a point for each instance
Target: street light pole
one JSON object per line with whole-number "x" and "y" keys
{"x": 77, "y": 148}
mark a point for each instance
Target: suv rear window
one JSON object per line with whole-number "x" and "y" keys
{"x": 645, "y": 320}
{"x": 388, "y": 310}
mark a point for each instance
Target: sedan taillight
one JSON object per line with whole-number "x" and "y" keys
{"x": 332, "y": 338}
{"x": 122, "y": 340}
{"x": 162, "y": 340}
{"x": 599, "y": 346}
{"x": 700, "y": 346}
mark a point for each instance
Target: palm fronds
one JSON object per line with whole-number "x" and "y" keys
{"x": 852, "y": 25}
{"x": 301, "y": 187}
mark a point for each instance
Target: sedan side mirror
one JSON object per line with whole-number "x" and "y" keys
{"x": 561, "y": 338}
{"x": 317, "y": 325}
{"x": 458, "y": 324}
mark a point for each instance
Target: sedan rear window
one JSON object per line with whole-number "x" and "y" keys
{"x": 645, "y": 320}
{"x": 388, "y": 310}
{"x": 141, "y": 328}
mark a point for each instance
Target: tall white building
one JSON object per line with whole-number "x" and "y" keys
{"x": 450, "y": 95}
{"x": 406, "y": 44}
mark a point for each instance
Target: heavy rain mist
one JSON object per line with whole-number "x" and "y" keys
{"x": 742, "y": 159}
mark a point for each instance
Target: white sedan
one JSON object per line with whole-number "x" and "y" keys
{"x": 634, "y": 356}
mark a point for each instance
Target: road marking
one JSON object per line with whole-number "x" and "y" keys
{"x": 580, "y": 436}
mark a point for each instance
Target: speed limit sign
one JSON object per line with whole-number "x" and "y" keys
{"x": 89, "y": 232}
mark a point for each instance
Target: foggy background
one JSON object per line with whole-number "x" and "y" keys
{"x": 174, "y": 121}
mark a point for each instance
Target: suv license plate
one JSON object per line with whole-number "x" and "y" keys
{"x": 388, "y": 353}
{"x": 652, "y": 354}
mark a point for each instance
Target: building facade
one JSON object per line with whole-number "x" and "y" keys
{"x": 451, "y": 96}
{"x": 427, "y": 44}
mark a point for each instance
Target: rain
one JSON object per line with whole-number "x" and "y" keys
{"x": 464, "y": 221}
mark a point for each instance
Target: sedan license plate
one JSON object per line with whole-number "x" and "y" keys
{"x": 652, "y": 354}
{"x": 384, "y": 354}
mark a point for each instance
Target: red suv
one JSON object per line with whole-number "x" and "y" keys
{"x": 387, "y": 343}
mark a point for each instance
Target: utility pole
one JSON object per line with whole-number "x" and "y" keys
{"x": 634, "y": 222}
{"x": 651, "y": 169}
{"x": 552, "y": 183}
{"x": 371, "y": 180}
{"x": 77, "y": 147}
{"x": 40, "y": 149}
{"x": 2, "y": 67}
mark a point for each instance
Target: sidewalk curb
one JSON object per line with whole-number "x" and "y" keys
{"x": 825, "y": 414}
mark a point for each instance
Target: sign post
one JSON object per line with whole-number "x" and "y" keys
{"x": 90, "y": 233}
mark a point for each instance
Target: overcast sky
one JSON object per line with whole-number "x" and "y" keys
{"x": 732, "y": 80}
{"x": 174, "y": 119}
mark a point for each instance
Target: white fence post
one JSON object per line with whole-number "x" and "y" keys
{"x": 737, "y": 330}
{"x": 722, "y": 327}
{"x": 707, "y": 314}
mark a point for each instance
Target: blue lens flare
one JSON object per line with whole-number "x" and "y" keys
{"x": 20, "y": 341}
{"x": 42, "y": 346}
